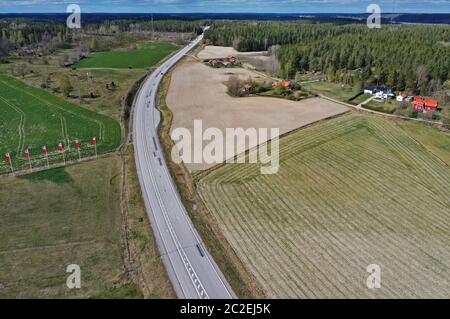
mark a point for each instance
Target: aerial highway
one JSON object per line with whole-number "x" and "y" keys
{"x": 191, "y": 269}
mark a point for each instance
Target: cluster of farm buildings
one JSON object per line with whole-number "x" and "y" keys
{"x": 222, "y": 62}
{"x": 421, "y": 104}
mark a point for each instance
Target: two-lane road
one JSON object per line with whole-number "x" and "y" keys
{"x": 191, "y": 269}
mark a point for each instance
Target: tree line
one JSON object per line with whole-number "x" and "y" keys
{"x": 18, "y": 34}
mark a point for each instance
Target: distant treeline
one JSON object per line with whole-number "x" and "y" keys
{"x": 416, "y": 58}
{"x": 433, "y": 18}
{"x": 24, "y": 34}
{"x": 24, "y": 31}
{"x": 146, "y": 25}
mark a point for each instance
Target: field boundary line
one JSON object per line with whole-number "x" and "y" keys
{"x": 201, "y": 174}
{"x": 57, "y": 165}
{"x": 68, "y": 244}
{"x": 21, "y": 124}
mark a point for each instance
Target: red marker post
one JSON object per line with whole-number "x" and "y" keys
{"x": 94, "y": 142}
{"x": 8, "y": 160}
{"x": 61, "y": 150}
{"x": 45, "y": 153}
{"x": 27, "y": 155}
{"x": 78, "y": 146}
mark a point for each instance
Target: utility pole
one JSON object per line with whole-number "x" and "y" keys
{"x": 393, "y": 11}
{"x": 153, "y": 28}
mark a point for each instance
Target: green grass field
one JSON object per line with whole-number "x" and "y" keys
{"x": 352, "y": 191}
{"x": 333, "y": 90}
{"x": 146, "y": 55}
{"x": 31, "y": 118}
{"x": 60, "y": 217}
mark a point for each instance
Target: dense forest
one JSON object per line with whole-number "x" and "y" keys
{"x": 414, "y": 58}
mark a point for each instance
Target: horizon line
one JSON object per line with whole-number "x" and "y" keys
{"x": 204, "y": 12}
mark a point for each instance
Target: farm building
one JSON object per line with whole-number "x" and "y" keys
{"x": 216, "y": 63}
{"x": 370, "y": 90}
{"x": 222, "y": 62}
{"x": 284, "y": 83}
{"x": 402, "y": 97}
{"x": 422, "y": 104}
{"x": 247, "y": 87}
{"x": 230, "y": 59}
{"x": 380, "y": 92}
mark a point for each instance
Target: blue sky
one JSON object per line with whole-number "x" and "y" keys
{"x": 257, "y": 6}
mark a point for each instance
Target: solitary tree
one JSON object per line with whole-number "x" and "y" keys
{"x": 94, "y": 44}
{"x": 234, "y": 86}
{"x": 422, "y": 79}
{"x": 66, "y": 86}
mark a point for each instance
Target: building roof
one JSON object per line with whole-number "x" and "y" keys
{"x": 431, "y": 103}
{"x": 419, "y": 99}
{"x": 284, "y": 83}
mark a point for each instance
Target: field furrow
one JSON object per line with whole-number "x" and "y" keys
{"x": 350, "y": 192}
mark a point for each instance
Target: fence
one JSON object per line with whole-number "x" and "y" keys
{"x": 20, "y": 162}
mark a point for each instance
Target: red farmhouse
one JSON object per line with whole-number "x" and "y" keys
{"x": 422, "y": 104}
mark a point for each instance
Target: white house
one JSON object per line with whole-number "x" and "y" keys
{"x": 370, "y": 90}
{"x": 401, "y": 97}
{"x": 388, "y": 96}
{"x": 379, "y": 95}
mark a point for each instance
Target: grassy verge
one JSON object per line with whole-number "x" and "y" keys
{"x": 242, "y": 282}
{"x": 359, "y": 99}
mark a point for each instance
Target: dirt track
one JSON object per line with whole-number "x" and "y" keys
{"x": 198, "y": 92}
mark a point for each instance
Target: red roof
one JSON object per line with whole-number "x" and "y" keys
{"x": 284, "y": 83}
{"x": 431, "y": 103}
{"x": 419, "y": 99}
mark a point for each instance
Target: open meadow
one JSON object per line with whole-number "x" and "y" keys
{"x": 334, "y": 90}
{"x": 73, "y": 215}
{"x": 60, "y": 217}
{"x": 351, "y": 191}
{"x": 146, "y": 55}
